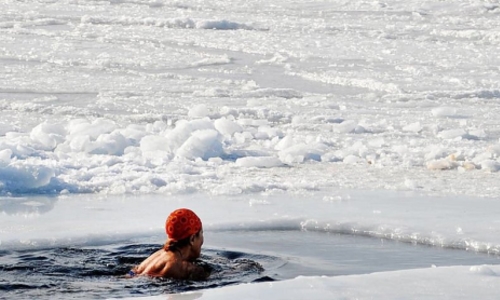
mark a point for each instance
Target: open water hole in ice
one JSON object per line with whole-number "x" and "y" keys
{"x": 235, "y": 256}
{"x": 332, "y": 254}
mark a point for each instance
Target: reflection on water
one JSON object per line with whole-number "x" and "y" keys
{"x": 27, "y": 205}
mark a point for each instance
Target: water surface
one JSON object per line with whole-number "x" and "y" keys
{"x": 236, "y": 257}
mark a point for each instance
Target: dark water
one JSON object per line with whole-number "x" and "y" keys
{"x": 97, "y": 272}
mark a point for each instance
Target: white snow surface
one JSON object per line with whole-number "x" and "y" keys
{"x": 260, "y": 99}
{"x": 108, "y": 96}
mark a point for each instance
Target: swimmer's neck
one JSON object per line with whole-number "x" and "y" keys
{"x": 188, "y": 252}
{"x": 182, "y": 254}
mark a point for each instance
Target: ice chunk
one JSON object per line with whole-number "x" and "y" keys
{"x": 273, "y": 92}
{"x": 80, "y": 143}
{"x": 198, "y": 111}
{"x": 348, "y": 127}
{"x": 490, "y": 165}
{"x": 360, "y": 149}
{"x": 261, "y": 135}
{"x": 376, "y": 142}
{"x": 25, "y": 177}
{"x": 479, "y": 158}
{"x": 260, "y": 162}
{"x": 5, "y": 128}
{"x": 361, "y": 129}
{"x": 80, "y": 127}
{"x": 467, "y": 166}
{"x": 271, "y": 131}
{"x": 401, "y": 149}
{"x": 153, "y": 143}
{"x": 48, "y": 136}
{"x": 227, "y": 127}
{"x": 351, "y": 159}
{"x": 5, "y": 157}
{"x": 183, "y": 130}
{"x": 299, "y": 153}
{"x": 330, "y": 157}
{"x": 483, "y": 270}
{"x": 135, "y": 132}
{"x": 413, "y": 127}
{"x": 345, "y": 127}
{"x": 444, "y": 112}
{"x": 112, "y": 144}
{"x": 222, "y": 25}
{"x": 452, "y": 133}
{"x": 495, "y": 150}
{"x": 442, "y": 164}
{"x": 213, "y": 92}
{"x": 285, "y": 142}
{"x": 477, "y": 134}
{"x": 212, "y": 61}
{"x": 411, "y": 184}
{"x": 242, "y": 137}
{"x": 202, "y": 144}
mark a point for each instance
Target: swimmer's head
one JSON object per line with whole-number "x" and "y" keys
{"x": 184, "y": 231}
{"x": 182, "y": 223}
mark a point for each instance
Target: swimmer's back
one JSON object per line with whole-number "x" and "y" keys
{"x": 166, "y": 264}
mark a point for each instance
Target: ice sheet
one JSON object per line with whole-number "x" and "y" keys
{"x": 464, "y": 223}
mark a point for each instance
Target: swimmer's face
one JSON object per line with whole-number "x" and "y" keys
{"x": 196, "y": 243}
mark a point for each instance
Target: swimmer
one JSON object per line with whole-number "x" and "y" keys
{"x": 176, "y": 258}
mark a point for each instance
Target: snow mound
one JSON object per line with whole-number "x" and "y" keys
{"x": 18, "y": 177}
{"x": 202, "y": 144}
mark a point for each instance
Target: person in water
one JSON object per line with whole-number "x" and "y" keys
{"x": 176, "y": 258}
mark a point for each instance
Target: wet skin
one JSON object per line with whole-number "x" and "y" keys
{"x": 175, "y": 264}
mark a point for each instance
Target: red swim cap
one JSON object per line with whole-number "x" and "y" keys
{"x": 182, "y": 223}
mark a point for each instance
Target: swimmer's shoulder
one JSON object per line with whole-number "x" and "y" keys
{"x": 162, "y": 264}
{"x": 157, "y": 265}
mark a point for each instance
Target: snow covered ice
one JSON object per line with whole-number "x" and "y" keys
{"x": 261, "y": 101}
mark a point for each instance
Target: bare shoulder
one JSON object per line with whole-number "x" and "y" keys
{"x": 154, "y": 265}
{"x": 164, "y": 264}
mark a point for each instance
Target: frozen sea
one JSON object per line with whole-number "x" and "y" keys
{"x": 352, "y": 148}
